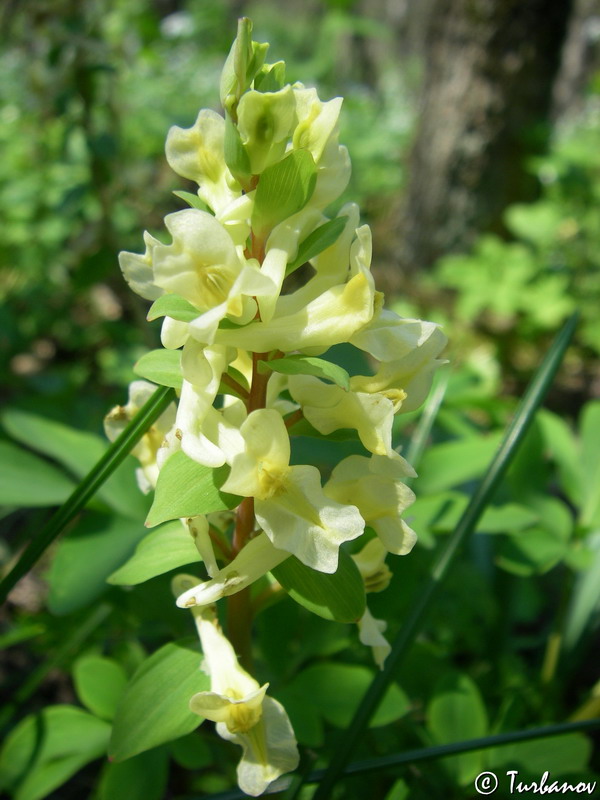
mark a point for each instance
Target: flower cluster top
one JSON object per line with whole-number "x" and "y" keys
{"x": 249, "y": 356}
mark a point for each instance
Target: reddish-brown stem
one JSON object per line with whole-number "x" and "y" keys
{"x": 237, "y": 387}
{"x": 258, "y": 390}
{"x": 293, "y": 418}
{"x": 239, "y": 606}
{"x": 216, "y": 539}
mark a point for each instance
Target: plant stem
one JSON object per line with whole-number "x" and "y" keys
{"x": 239, "y": 605}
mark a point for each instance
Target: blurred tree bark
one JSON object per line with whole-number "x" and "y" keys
{"x": 487, "y": 97}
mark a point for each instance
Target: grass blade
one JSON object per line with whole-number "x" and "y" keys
{"x": 514, "y": 435}
{"x": 395, "y": 760}
{"x": 99, "y": 473}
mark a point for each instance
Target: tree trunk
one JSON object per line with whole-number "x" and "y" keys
{"x": 490, "y": 69}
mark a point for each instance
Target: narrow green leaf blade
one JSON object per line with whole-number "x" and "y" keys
{"x": 339, "y": 597}
{"x": 174, "y": 306}
{"x": 161, "y": 366}
{"x": 187, "y": 489}
{"x": 317, "y": 241}
{"x": 155, "y": 706}
{"x": 166, "y": 548}
{"x": 308, "y": 365}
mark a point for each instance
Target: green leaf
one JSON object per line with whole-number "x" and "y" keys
{"x": 585, "y": 599}
{"x": 191, "y": 751}
{"x": 46, "y": 749}
{"x": 317, "y": 241}
{"x": 507, "y": 518}
{"x": 187, "y": 489}
{"x": 562, "y": 446}
{"x": 174, "y": 306}
{"x": 192, "y": 200}
{"x": 308, "y": 365}
{"x": 143, "y": 777}
{"x": 457, "y": 712}
{"x": 270, "y": 77}
{"x": 27, "y": 482}
{"x": 335, "y": 690}
{"x": 154, "y": 708}
{"x": 590, "y": 463}
{"x": 99, "y": 544}
{"x": 284, "y": 189}
{"x": 78, "y": 451}
{"x": 161, "y": 366}
{"x": 166, "y": 548}
{"x": 539, "y": 548}
{"x": 562, "y": 755}
{"x": 450, "y": 464}
{"x": 99, "y": 683}
{"x": 339, "y": 597}
{"x": 236, "y": 157}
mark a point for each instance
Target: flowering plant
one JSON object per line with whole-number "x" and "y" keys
{"x": 246, "y": 350}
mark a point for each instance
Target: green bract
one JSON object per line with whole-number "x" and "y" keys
{"x": 249, "y": 360}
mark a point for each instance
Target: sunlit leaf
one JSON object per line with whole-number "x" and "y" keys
{"x": 308, "y": 365}
{"x": 161, "y": 366}
{"x": 99, "y": 683}
{"x": 154, "y": 708}
{"x": 46, "y": 749}
{"x": 340, "y": 596}
{"x": 166, "y": 548}
{"x": 187, "y": 489}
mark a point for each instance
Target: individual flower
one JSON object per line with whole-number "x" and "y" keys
{"x": 137, "y": 270}
{"x": 329, "y": 408}
{"x": 147, "y": 449}
{"x": 198, "y": 154}
{"x": 289, "y": 503}
{"x": 244, "y": 713}
{"x": 253, "y": 561}
{"x": 317, "y": 132}
{"x": 265, "y": 121}
{"x": 408, "y": 350}
{"x": 375, "y": 485}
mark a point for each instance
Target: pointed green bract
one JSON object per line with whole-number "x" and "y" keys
{"x": 187, "y": 489}
{"x": 166, "y": 548}
{"x": 284, "y": 189}
{"x": 161, "y": 366}
{"x": 317, "y": 241}
{"x": 171, "y": 305}
{"x": 308, "y": 365}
